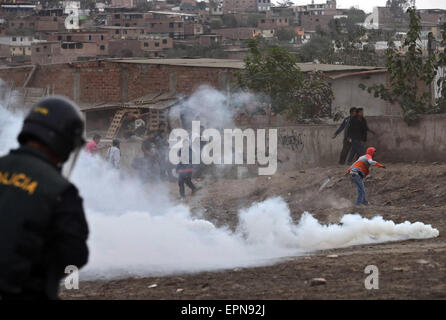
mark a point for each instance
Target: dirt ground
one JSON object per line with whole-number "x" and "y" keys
{"x": 414, "y": 269}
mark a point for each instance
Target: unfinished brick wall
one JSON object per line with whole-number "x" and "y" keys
{"x": 108, "y": 81}
{"x": 142, "y": 79}
{"x": 15, "y": 76}
{"x": 99, "y": 82}
{"x": 58, "y": 78}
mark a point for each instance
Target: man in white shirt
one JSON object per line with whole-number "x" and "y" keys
{"x": 114, "y": 154}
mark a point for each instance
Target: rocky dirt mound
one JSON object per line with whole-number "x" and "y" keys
{"x": 410, "y": 269}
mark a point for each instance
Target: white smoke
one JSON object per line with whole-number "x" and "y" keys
{"x": 214, "y": 108}
{"x": 136, "y": 230}
{"x": 10, "y": 125}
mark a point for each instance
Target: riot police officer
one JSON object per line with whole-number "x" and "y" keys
{"x": 42, "y": 222}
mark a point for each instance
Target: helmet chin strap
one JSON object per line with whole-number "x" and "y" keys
{"x": 71, "y": 163}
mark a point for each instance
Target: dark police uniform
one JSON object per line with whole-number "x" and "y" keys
{"x": 42, "y": 226}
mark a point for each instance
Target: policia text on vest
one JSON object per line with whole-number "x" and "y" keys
{"x": 18, "y": 180}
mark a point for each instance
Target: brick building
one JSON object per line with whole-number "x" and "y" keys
{"x": 124, "y": 80}
{"x": 54, "y": 52}
{"x": 207, "y": 40}
{"x": 92, "y": 83}
{"x": 115, "y": 32}
{"x": 145, "y": 46}
{"x": 18, "y": 8}
{"x": 236, "y": 33}
{"x": 193, "y": 29}
{"x": 16, "y": 49}
{"x": 217, "y": 8}
{"x": 35, "y": 24}
{"x": 264, "y": 5}
{"x": 313, "y": 15}
{"x": 173, "y": 26}
{"x": 128, "y": 19}
{"x": 239, "y": 6}
{"x": 176, "y": 25}
{"x": 273, "y": 22}
{"x": 125, "y": 48}
{"x": 431, "y": 20}
{"x": 82, "y": 36}
{"x": 122, "y": 4}
{"x": 153, "y": 46}
{"x": 311, "y": 23}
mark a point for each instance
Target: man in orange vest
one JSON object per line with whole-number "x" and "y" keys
{"x": 361, "y": 169}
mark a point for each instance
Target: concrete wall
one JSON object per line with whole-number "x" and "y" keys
{"x": 298, "y": 147}
{"x": 311, "y": 146}
{"x": 396, "y": 141}
{"x": 306, "y": 146}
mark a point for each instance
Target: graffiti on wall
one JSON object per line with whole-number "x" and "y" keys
{"x": 292, "y": 140}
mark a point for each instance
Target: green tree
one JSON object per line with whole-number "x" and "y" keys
{"x": 202, "y": 5}
{"x": 341, "y": 42}
{"x": 274, "y": 72}
{"x": 284, "y": 34}
{"x": 398, "y": 9}
{"x": 411, "y": 75}
{"x": 229, "y": 20}
{"x": 355, "y": 15}
{"x": 253, "y": 19}
{"x": 320, "y": 47}
{"x": 215, "y": 24}
{"x": 145, "y": 6}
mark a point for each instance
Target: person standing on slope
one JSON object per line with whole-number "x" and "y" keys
{"x": 346, "y": 144}
{"x": 114, "y": 154}
{"x": 361, "y": 169}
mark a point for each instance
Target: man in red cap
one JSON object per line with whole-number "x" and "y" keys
{"x": 361, "y": 169}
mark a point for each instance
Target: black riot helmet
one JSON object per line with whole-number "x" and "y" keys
{"x": 56, "y": 122}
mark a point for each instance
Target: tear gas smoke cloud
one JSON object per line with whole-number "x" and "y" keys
{"x": 214, "y": 108}
{"x": 137, "y": 230}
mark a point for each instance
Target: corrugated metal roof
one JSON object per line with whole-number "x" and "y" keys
{"x": 149, "y": 101}
{"x": 358, "y": 73}
{"x": 207, "y": 63}
{"x": 239, "y": 64}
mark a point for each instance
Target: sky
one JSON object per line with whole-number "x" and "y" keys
{"x": 367, "y": 5}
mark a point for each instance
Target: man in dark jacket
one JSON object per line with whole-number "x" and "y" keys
{"x": 357, "y": 134}
{"x": 346, "y": 144}
{"x": 42, "y": 222}
{"x": 185, "y": 170}
{"x": 147, "y": 164}
{"x": 162, "y": 147}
